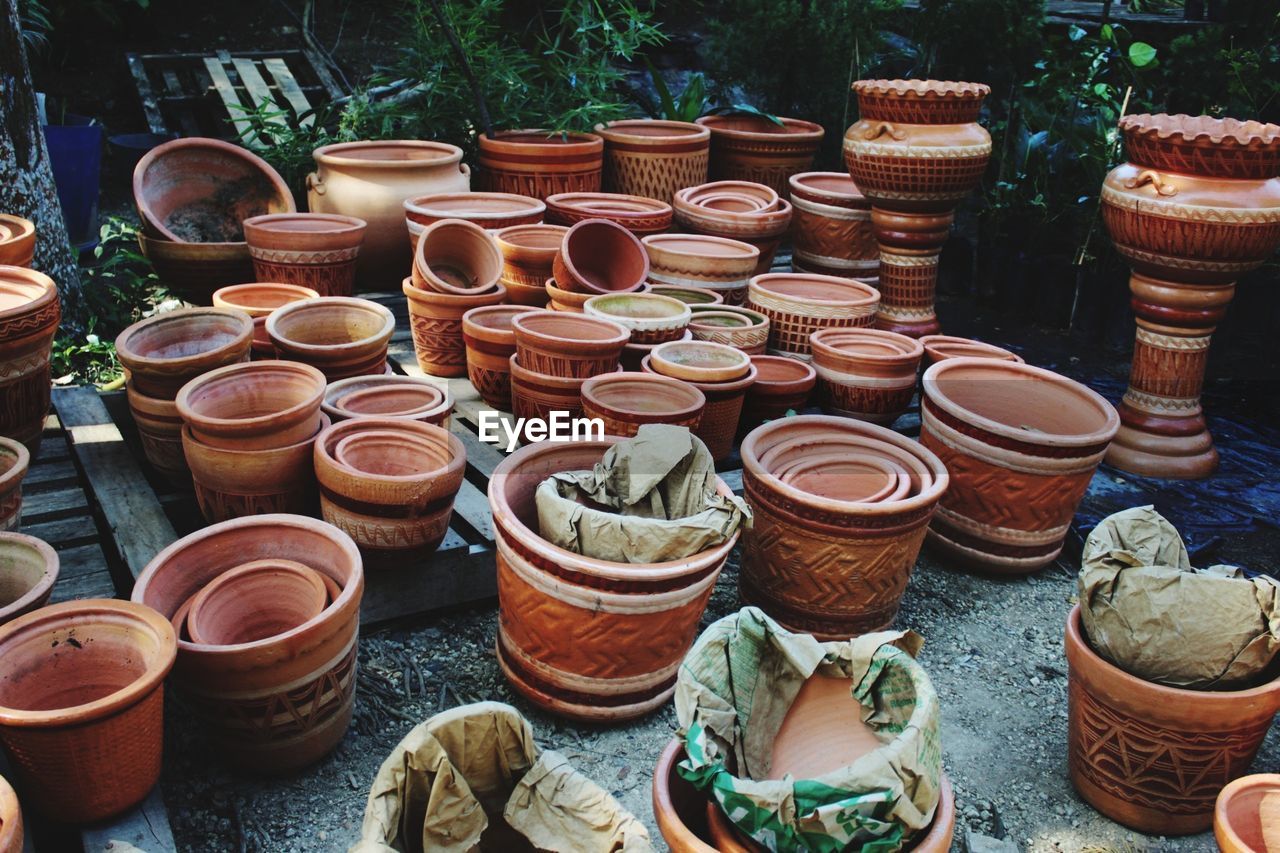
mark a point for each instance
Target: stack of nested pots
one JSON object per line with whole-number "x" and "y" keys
{"x": 15, "y": 459}
{"x": 163, "y": 353}
{"x": 490, "y": 343}
{"x": 17, "y": 240}
{"x": 624, "y": 402}
{"x": 638, "y": 214}
{"x": 723, "y": 374}
{"x": 258, "y": 300}
{"x": 313, "y": 250}
{"x": 651, "y": 319}
{"x": 730, "y": 325}
{"x": 840, "y": 509}
{"x": 782, "y": 385}
{"x": 491, "y": 211}
{"x": 866, "y": 373}
{"x": 587, "y": 638}
{"x": 697, "y": 262}
{"x": 940, "y": 347}
{"x": 389, "y": 484}
{"x": 342, "y": 336}
{"x": 29, "y": 316}
{"x": 831, "y": 231}
{"x": 456, "y": 267}
{"x": 528, "y": 252}
{"x": 747, "y": 147}
{"x": 28, "y": 570}
{"x": 799, "y": 304}
{"x": 247, "y": 435}
{"x": 275, "y": 686}
{"x": 390, "y": 396}
{"x": 539, "y": 163}
{"x": 596, "y": 256}
{"x": 738, "y": 210}
{"x": 654, "y": 158}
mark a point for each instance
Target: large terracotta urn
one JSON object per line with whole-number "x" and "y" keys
{"x": 916, "y": 152}
{"x": 1196, "y": 206}
{"x": 29, "y": 315}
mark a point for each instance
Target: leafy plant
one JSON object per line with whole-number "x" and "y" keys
{"x": 694, "y": 100}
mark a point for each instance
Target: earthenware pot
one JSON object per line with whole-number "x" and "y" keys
{"x": 458, "y": 257}
{"x": 341, "y": 336}
{"x": 17, "y": 240}
{"x": 29, "y": 315}
{"x": 638, "y": 214}
{"x": 939, "y": 347}
{"x": 15, "y": 459}
{"x": 435, "y": 320}
{"x": 695, "y": 262}
{"x": 528, "y": 251}
{"x": 567, "y": 345}
{"x": 700, "y": 361}
{"x": 633, "y": 355}
{"x": 539, "y": 163}
{"x": 599, "y": 256}
{"x": 1153, "y": 757}
{"x": 831, "y": 231}
{"x": 916, "y": 152}
{"x": 1196, "y": 206}
{"x": 491, "y": 342}
{"x": 654, "y": 158}
{"x": 566, "y": 300}
{"x": 734, "y": 197}
{"x": 255, "y": 601}
{"x": 28, "y": 571}
{"x": 719, "y": 423}
{"x": 866, "y": 373}
{"x": 730, "y": 325}
{"x": 491, "y": 211}
{"x": 259, "y": 299}
{"x": 166, "y": 351}
{"x": 259, "y": 405}
{"x": 718, "y": 215}
{"x": 562, "y": 617}
{"x": 799, "y": 304}
{"x": 241, "y": 695}
{"x": 1246, "y": 817}
{"x": 753, "y": 148}
{"x": 412, "y": 397}
{"x": 1021, "y": 444}
{"x": 313, "y": 250}
{"x": 782, "y": 385}
{"x": 11, "y": 832}
{"x": 625, "y": 401}
{"x": 679, "y": 809}
{"x": 818, "y": 564}
{"x": 650, "y": 319}
{"x": 537, "y": 396}
{"x": 82, "y": 705}
{"x": 160, "y": 432}
{"x": 195, "y": 270}
{"x": 687, "y": 295}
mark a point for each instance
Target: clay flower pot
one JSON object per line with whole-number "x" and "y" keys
{"x": 313, "y": 250}
{"x": 15, "y": 459}
{"x": 491, "y": 211}
{"x": 939, "y": 347}
{"x": 17, "y": 240}
{"x": 278, "y": 704}
{"x": 633, "y": 355}
{"x": 29, "y": 315}
{"x": 537, "y": 395}
{"x": 866, "y": 373}
{"x": 490, "y": 344}
{"x": 638, "y": 214}
{"x": 340, "y": 335}
{"x": 698, "y": 262}
{"x": 782, "y": 385}
{"x": 28, "y": 571}
{"x": 566, "y": 300}
{"x": 435, "y": 320}
{"x": 625, "y": 401}
{"x": 599, "y": 256}
{"x": 687, "y": 295}
{"x": 716, "y": 211}
{"x": 11, "y": 833}
{"x": 160, "y": 432}
{"x": 799, "y": 304}
{"x": 458, "y": 257}
{"x": 654, "y": 158}
{"x": 528, "y": 251}
{"x": 195, "y": 270}
{"x": 166, "y": 351}
{"x": 1246, "y": 817}
{"x": 258, "y": 405}
{"x": 370, "y": 180}
{"x": 1153, "y": 757}
{"x": 258, "y": 299}
{"x": 411, "y": 397}
{"x": 650, "y": 319}
{"x": 719, "y": 423}
{"x": 831, "y": 231}
{"x": 700, "y": 361}
{"x": 592, "y": 608}
{"x": 752, "y": 148}
{"x": 732, "y": 326}
{"x": 567, "y": 345}
{"x": 82, "y": 705}
{"x": 1022, "y": 444}
{"x": 679, "y": 809}
{"x": 539, "y": 163}
{"x": 390, "y": 485}
{"x": 255, "y": 601}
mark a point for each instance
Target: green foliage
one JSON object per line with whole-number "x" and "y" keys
{"x": 1231, "y": 70}
{"x": 40, "y": 19}
{"x": 693, "y": 103}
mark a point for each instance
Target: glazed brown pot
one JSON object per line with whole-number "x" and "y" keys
{"x": 491, "y": 211}
{"x": 194, "y": 271}
{"x": 317, "y": 251}
{"x": 29, "y": 316}
{"x": 700, "y": 262}
{"x": 28, "y": 571}
{"x": 715, "y": 210}
{"x": 651, "y": 319}
{"x": 435, "y": 320}
{"x": 753, "y": 148}
{"x": 490, "y": 344}
{"x": 567, "y": 345}
{"x": 166, "y": 351}
{"x": 1246, "y": 816}
{"x": 866, "y": 373}
{"x": 342, "y": 336}
{"x": 1154, "y": 757}
{"x": 599, "y": 256}
{"x": 799, "y": 304}
{"x": 17, "y": 240}
{"x": 539, "y": 163}
{"x": 719, "y": 423}
{"x": 564, "y": 618}
{"x": 412, "y": 397}
{"x": 831, "y": 231}
{"x": 82, "y": 705}
{"x": 240, "y": 694}
{"x": 160, "y": 432}
{"x": 528, "y": 252}
{"x": 255, "y": 601}
{"x": 258, "y": 405}
{"x": 15, "y": 460}
{"x": 654, "y": 158}
{"x": 1021, "y": 444}
{"x": 258, "y": 300}
{"x": 626, "y": 401}
{"x": 638, "y": 214}
{"x": 11, "y": 831}
{"x": 688, "y": 295}
{"x": 782, "y": 385}
{"x": 458, "y": 257}
{"x": 939, "y": 347}
{"x": 731, "y": 325}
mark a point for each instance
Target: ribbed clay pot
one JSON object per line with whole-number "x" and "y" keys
{"x": 342, "y": 336}
{"x": 687, "y": 294}
{"x": 1246, "y": 816}
{"x": 702, "y": 262}
{"x": 940, "y": 347}
{"x": 491, "y": 211}
{"x": 160, "y": 432}
{"x": 1021, "y": 444}
{"x": 731, "y": 325}
{"x": 17, "y": 240}
{"x": 279, "y": 704}
{"x": 640, "y": 215}
{"x": 258, "y": 300}
{"x": 253, "y": 406}
{"x": 457, "y": 257}
{"x": 29, "y": 316}
{"x": 599, "y": 256}
{"x": 799, "y": 304}
{"x": 528, "y": 252}
{"x": 82, "y": 705}
{"x": 435, "y": 320}
{"x": 585, "y": 638}
{"x": 654, "y": 158}
{"x": 194, "y": 271}
{"x": 720, "y": 416}
{"x": 650, "y": 319}
{"x": 753, "y": 148}
{"x": 831, "y": 231}
{"x": 536, "y": 396}
{"x": 11, "y": 829}
{"x": 815, "y": 562}
{"x": 718, "y": 211}
{"x": 782, "y": 385}
{"x": 28, "y": 571}
{"x": 539, "y": 163}
{"x": 626, "y": 401}
{"x": 313, "y": 250}
{"x": 866, "y": 373}
{"x": 255, "y": 601}
{"x": 1154, "y": 757}
{"x": 570, "y": 346}
{"x": 411, "y": 397}
{"x": 633, "y": 355}
{"x": 15, "y": 460}
{"x": 166, "y": 351}
{"x": 491, "y": 342}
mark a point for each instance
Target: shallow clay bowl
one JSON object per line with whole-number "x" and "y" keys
{"x": 700, "y": 361}
{"x": 255, "y": 601}
{"x": 865, "y": 479}
{"x": 411, "y": 397}
{"x": 456, "y": 256}
{"x": 780, "y": 458}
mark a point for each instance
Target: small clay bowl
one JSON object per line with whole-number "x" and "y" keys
{"x": 1246, "y": 816}
{"x": 854, "y": 479}
{"x": 390, "y": 454}
{"x": 700, "y": 361}
{"x": 255, "y": 601}
{"x": 600, "y": 256}
{"x": 458, "y": 257}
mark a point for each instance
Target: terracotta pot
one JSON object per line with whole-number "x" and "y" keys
{"x": 82, "y": 705}
{"x": 340, "y": 335}
{"x": 831, "y": 231}
{"x": 638, "y": 214}
{"x": 160, "y": 432}
{"x": 733, "y": 197}
{"x": 821, "y": 565}
{"x": 694, "y": 262}
{"x": 599, "y": 256}
{"x": 537, "y": 396}
{"x": 194, "y": 271}
{"x": 687, "y": 295}
{"x": 458, "y": 257}
{"x": 11, "y": 833}
{"x": 650, "y": 319}
{"x": 259, "y": 405}
{"x": 730, "y": 325}
{"x": 940, "y": 347}
{"x": 563, "y": 617}
{"x": 539, "y": 163}
{"x": 1246, "y": 817}
{"x": 313, "y": 250}
{"x": 753, "y": 148}
{"x": 197, "y": 190}
{"x": 28, "y": 571}
{"x": 721, "y": 216}
{"x": 411, "y": 397}
{"x": 679, "y": 809}
{"x": 654, "y": 158}
{"x": 15, "y": 460}
{"x": 1153, "y": 757}
{"x": 278, "y": 704}
{"x": 390, "y": 485}
{"x": 866, "y": 373}
{"x": 255, "y": 601}
{"x": 29, "y": 315}
{"x": 916, "y": 152}
{"x": 166, "y": 351}
{"x": 625, "y": 401}
{"x": 1021, "y": 444}
{"x": 700, "y": 361}
{"x": 567, "y": 345}
{"x": 490, "y": 344}
{"x": 258, "y": 299}
{"x": 782, "y": 385}
{"x": 17, "y": 240}
{"x": 719, "y": 423}
{"x": 633, "y": 355}
{"x": 799, "y": 304}
{"x": 528, "y": 251}
{"x": 435, "y": 320}
{"x": 1196, "y": 206}
{"x": 566, "y": 300}
{"x": 491, "y": 211}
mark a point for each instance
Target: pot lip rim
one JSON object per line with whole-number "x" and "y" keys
{"x": 333, "y": 153}
{"x": 158, "y": 665}
{"x": 519, "y": 373}
{"x": 934, "y": 345}
{"x": 664, "y": 289}
{"x": 413, "y": 292}
{"x": 913, "y": 353}
{"x": 1221, "y": 822}
{"x": 728, "y": 185}
{"x": 343, "y": 225}
{"x": 1184, "y": 129}
{"x": 927, "y": 88}
{"x": 684, "y": 131}
{"x": 532, "y": 206}
{"x": 26, "y": 228}
{"x": 619, "y": 337}
{"x": 579, "y": 141}
{"x": 658, "y": 239}
{"x": 218, "y": 584}
{"x": 177, "y": 247}
{"x": 354, "y": 426}
{"x": 765, "y": 220}
{"x": 645, "y": 297}
{"x": 742, "y": 383}
{"x": 52, "y": 567}
{"x": 529, "y": 227}
{"x": 584, "y": 202}
{"x": 26, "y": 276}
{"x": 799, "y": 181}
{"x": 591, "y": 386}
{"x": 279, "y": 286}
{"x": 809, "y": 372}
{"x": 189, "y": 415}
{"x": 508, "y": 308}
{"x": 241, "y": 341}
{"x": 708, "y": 346}
{"x": 869, "y": 295}
{"x": 189, "y": 437}
{"x": 795, "y": 129}
{"x": 18, "y": 470}
{"x": 354, "y": 302}
{"x": 333, "y": 392}
{"x": 757, "y": 318}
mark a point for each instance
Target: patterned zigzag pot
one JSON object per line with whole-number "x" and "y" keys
{"x": 799, "y": 304}
{"x": 313, "y": 250}
{"x": 539, "y": 163}
{"x": 490, "y": 344}
{"x": 866, "y": 373}
{"x": 29, "y": 316}
{"x": 435, "y": 320}
{"x": 753, "y": 148}
{"x": 654, "y": 158}
{"x": 831, "y": 231}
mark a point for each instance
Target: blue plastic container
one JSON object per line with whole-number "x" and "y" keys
{"x": 75, "y": 152}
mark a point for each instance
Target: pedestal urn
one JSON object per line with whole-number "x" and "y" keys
{"x": 916, "y": 152}
{"x": 1196, "y": 206}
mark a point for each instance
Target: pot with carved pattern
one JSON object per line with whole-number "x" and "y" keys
{"x": 29, "y": 316}
{"x": 831, "y": 231}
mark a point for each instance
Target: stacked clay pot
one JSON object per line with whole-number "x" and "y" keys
{"x": 649, "y": 318}
{"x": 389, "y": 484}
{"x": 29, "y": 316}
{"x": 277, "y": 703}
{"x": 258, "y": 300}
{"x": 539, "y": 163}
{"x": 782, "y": 385}
{"x": 28, "y": 571}
{"x": 730, "y": 325}
{"x": 831, "y": 231}
{"x": 737, "y": 210}
{"x": 755, "y": 148}
{"x": 654, "y": 158}
{"x": 491, "y": 211}
{"x": 15, "y": 460}
{"x": 723, "y": 374}
{"x": 599, "y": 256}
{"x": 697, "y": 262}
{"x": 638, "y": 214}
{"x": 564, "y": 618}
{"x": 163, "y": 353}
{"x": 317, "y": 251}
{"x": 688, "y": 294}
{"x": 490, "y": 343}
{"x": 799, "y": 304}
{"x": 866, "y": 373}
{"x": 17, "y": 240}
{"x": 12, "y": 835}
{"x": 528, "y": 252}
{"x": 840, "y": 511}
{"x": 1246, "y": 815}
{"x": 626, "y": 401}
{"x": 247, "y": 436}
{"x": 633, "y": 354}
{"x": 1022, "y": 444}
{"x": 341, "y": 336}
{"x": 940, "y": 347}
{"x": 390, "y": 396}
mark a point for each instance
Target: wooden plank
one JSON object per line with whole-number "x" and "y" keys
{"x": 60, "y": 503}
{"x": 289, "y": 89}
{"x": 45, "y": 476}
{"x": 222, "y": 83}
{"x": 92, "y": 585}
{"x": 458, "y": 576}
{"x": 480, "y": 456}
{"x": 258, "y": 90}
{"x": 185, "y": 117}
{"x": 81, "y": 560}
{"x": 145, "y": 827}
{"x": 64, "y": 532}
{"x": 472, "y": 505}
{"x": 452, "y": 540}
{"x": 322, "y": 74}
{"x": 150, "y": 108}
